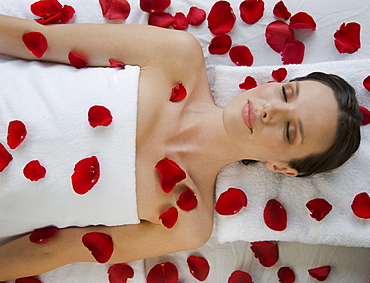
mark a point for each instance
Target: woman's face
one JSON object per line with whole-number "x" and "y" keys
{"x": 277, "y": 123}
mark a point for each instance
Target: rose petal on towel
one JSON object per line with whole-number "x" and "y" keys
{"x": 366, "y": 83}
{"x": 99, "y": 116}
{"x": 86, "y": 175}
{"x": 115, "y": 64}
{"x": 50, "y": 20}
{"x": 178, "y": 93}
{"x": 170, "y": 174}
{"x": 365, "y": 116}
{"x": 51, "y": 11}
{"x": 68, "y": 12}
{"x": 319, "y": 208}
{"x": 115, "y": 9}
{"x": 231, "y": 202}
{"x": 347, "y": 38}
{"x": 279, "y": 75}
{"x": 169, "y": 217}
{"x": 77, "y": 61}
{"x": 293, "y": 52}
{"x": 154, "y": 6}
{"x": 120, "y": 272}
{"x": 220, "y": 44}
{"x": 266, "y": 252}
{"x": 99, "y": 244}
{"x": 34, "y": 171}
{"x": 275, "y": 216}
{"x": 196, "y": 16}
{"x": 17, "y": 132}
{"x": 281, "y": 11}
{"x": 278, "y": 34}
{"x": 320, "y": 273}
{"x": 239, "y": 276}
{"x": 286, "y": 275}
{"x": 302, "y": 20}
{"x": 198, "y": 267}
{"x": 5, "y": 158}
{"x": 28, "y": 280}
{"x": 163, "y": 273}
{"x": 361, "y": 205}
{"x": 35, "y": 42}
{"x": 180, "y": 22}
{"x": 43, "y": 235}
{"x": 221, "y": 18}
{"x": 248, "y": 83}
{"x": 251, "y": 11}
{"x": 241, "y": 55}
{"x": 163, "y": 20}
{"x": 187, "y": 200}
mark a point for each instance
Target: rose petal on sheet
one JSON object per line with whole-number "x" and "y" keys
{"x": 319, "y": 208}
{"x": 221, "y": 18}
{"x": 302, "y": 20}
{"x": 17, "y": 132}
{"x": 275, "y": 216}
{"x": 169, "y": 217}
{"x": 178, "y": 92}
{"x": 251, "y": 11}
{"x": 220, "y": 44}
{"x": 99, "y": 244}
{"x": 248, "y": 83}
{"x": 51, "y": 20}
{"x": 43, "y": 235}
{"x": 199, "y": 267}
{"x": 180, "y": 22}
{"x": 293, "y": 52}
{"x": 170, "y": 174}
{"x": 163, "y": 273}
{"x": 187, "y": 200}
{"x": 34, "y": 171}
{"x": 154, "y": 6}
{"x": 68, "y": 12}
{"x": 231, "y": 202}
{"x": 365, "y": 116}
{"x": 46, "y": 8}
{"x": 320, "y": 273}
{"x": 266, "y": 252}
{"x": 281, "y": 11}
{"x": 28, "y": 280}
{"x": 120, "y": 272}
{"x": 239, "y": 276}
{"x": 196, "y": 16}
{"x": 279, "y": 75}
{"x": 361, "y": 205}
{"x": 241, "y": 55}
{"x": 278, "y": 34}
{"x": 77, "y": 61}
{"x": 99, "y": 116}
{"x": 366, "y": 83}
{"x": 347, "y": 38}
{"x": 115, "y": 9}
{"x": 286, "y": 275}
{"x": 86, "y": 175}
{"x": 35, "y": 42}
{"x": 163, "y": 20}
{"x": 5, "y": 158}
{"x": 115, "y": 64}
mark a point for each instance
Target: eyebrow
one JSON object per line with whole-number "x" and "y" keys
{"x": 300, "y": 126}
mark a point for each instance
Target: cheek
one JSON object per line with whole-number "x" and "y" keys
{"x": 271, "y": 141}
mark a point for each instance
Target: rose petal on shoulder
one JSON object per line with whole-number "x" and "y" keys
{"x": 43, "y": 235}
{"x": 347, "y": 38}
{"x": 154, "y": 6}
{"x": 281, "y": 11}
{"x": 293, "y": 52}
{"x": 163, "y": 273}
{"x": 278, "y": 34}
{"x": 361, "y": 205}
{"x": 249, "y": 83}
{"x": 28, "y": 280}
{"x": 100, "y": 245}
{"x": 286, "y": 275}
{"x": 120, "y": 272}
{"x": 275, "y": 216}
{"x": 77, "y": 61}
{"x": 5, "y": 158}
{"x": 302, "y": 20}
{"x": 34, "y": 171}
{"x": 220, "y": 44}
{"x": 231, "y": 202}
{"x": 99, "y": 115}
{"x": 170, "y": 174}
{"x": 178, "y": 92}
{"x": 187, "y": 200}
{"x": 319, "y": 208}
{"x": 279, "y": 75}
{"x": 180, "y": 22}
{"x": 320, "y": 273}
{"x": 196, "y": 16}
{"x": 86, "y": 174}
{"x": 169, "y": 217}
{"x": 365, "y": 115}
{"x": 35, "y": 42}
{"x": 266, "y": 252}
{"x": 251, "y": 11}
{"x": 239, "y": 276}
{"x": 221, "y": 18}
{"x": 198, "y": 267}
{"x": 241, "y": 55}
{"x": 163, "y": 20}
{"x": 115, "y": 9}
{"x": 17, "y": 132}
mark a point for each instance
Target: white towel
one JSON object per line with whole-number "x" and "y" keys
{"x": 340, "y": 226}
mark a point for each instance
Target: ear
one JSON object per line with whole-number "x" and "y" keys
{"x": 281, "y": 169}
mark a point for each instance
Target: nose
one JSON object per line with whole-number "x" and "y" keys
{"x": 275, "y": 112}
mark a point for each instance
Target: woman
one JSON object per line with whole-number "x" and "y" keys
{"x": 296, "y": 128}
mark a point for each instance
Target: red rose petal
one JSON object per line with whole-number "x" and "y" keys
{"x": 366, "y": 83}
{"x": 154, "y": 6}
{"x": 35, "y": 42}
{"x": 5, "y": 158}
{"x": 178, "y": 92}
{"x": 239, "y": 276}
{"x": 275, "y": 216}
{"x": 46, "y": 8}
{"x": 241, "y": 55}
{"x": 266, "y": 252}
{"x": 319, "y": 208}
{"x": 86, "y": 175}
{"x": 100, "y": 245}
{"x": 231, "y": 202}
{"x": 116, "y": 64}
{"x": 347, "y": 38}
{"x": 28, "y": 280}
{"x": 365, "y": 116}
{"x": 43, "y": 235}
{"x": 280, "y": 74}
{"x": 196, "y": 16}
{"x": 16, "y": 133}
{"x": 361, "y": 205}
{"x": 163, "y": 273}
{"x": 251, "y": 11}
{"x": 187, "y": 200}
{"x": 68, "y": 12}
{"x": 115, "y": 9}
{"x": 170, "y": 174}
{"x": 278, "y": 34}
{"x": 281, "y": 11}
{"x": 99, "y": 116}
{"x": 302, "y": 20}
{"x": 77, "y": 61}
{"x": 50, "y": 20}
{"x": 221, "y": 18}
{"x": 248, "y": 83}
{"x": 198, "y": 267}
{"x": 180, "y": 22}
{"x": 163, "y": 20}
{"x": 169, "y": 217}
{"x": 119, "y": 273}
{"x": 320, "y": 273}
{"x": 293, "y": 52}
{"x": 220, "y": 44}
{"x": 34, "y": 171}
{"x": 286, "y": 275}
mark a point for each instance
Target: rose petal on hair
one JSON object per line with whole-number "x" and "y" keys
{"x": 198, "y": 267}
{"x": 86, "y": 175}
{"x": 163, "y": 273}
{"x": 366, "y": 83}
{"x": 347, "y": 38}
{"x": 319, "y": 208}
{"x": 196, "y": 16}
{"x": 241, "y": 55}
{"x": 320, "y": 273}
{"x": 187, "y": 200}
{"x": 365, "y": 116}
{"x": 163, "y": 20}
{"x": 34, "y": 171}
{"x": 170, "y": 174}
{"x": 68, "y": 12}
{"x": 266, "y": 252}
{"x": 99, "y": 116}
{"x": 178, "y": 92}
{"x": 35, "y": 42}
{"x": 28, "y": 280}
{"x": 251, "y": 11}
{"x": 180, "y": 22}
{"x": 275, "y": 215}
{"x": 221, "y": 18}
{"x": 99, "y": 244}
{"x": 361, "y": 205}
{"x": 279, "y": 75}
{"x": 278, "y": 34}
{"x": 220, "y": 44}
{"x": 120, "y": 272}
{"x": 231, "y": 202}
{"x": 43, "y": 235}
{"x": 239, "y": 276}
{"x": 17, "y": 132}
{"x": 115, "y": 9}
{"x": 46, "y": 8}
{"x": 286, "y": 275}
{"x": 293, "y": 52}
{"x": 248, "y": 83}
{"x": 302, "y": 20}
{"x": 5, "y": 158}
{"x": 154, "y": 6}
{"x": 169, "y": 217}
{"x": 77, "y": 61}
{"x": 115, "y": 64}
{"x": 281, "y": 11}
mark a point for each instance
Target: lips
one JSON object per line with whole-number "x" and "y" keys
{"x": 248, "y": 114}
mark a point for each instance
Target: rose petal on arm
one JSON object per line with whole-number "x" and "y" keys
{"x": 163, "y": 20}
{"x": 115, "y": 64}
{"x": 347, "y": 38}
{"x": 196, "y": 16}
{"x": 169, "y": 217}
{"x": 163, "y": 273}
{"x": 187, "y": 200}
{"x": 286, "y": 275}
{"x": 100, "y": 245}
{"x": 266, "y": 252}
{"x": 361, "y": 205}
{"x": 220, "y": 44}
{"x": 221, "y": 18}
{"x": 365, "y": 115}
{"x": 249, "y": 83}
{"x": 180, "y": 22}
{"x": 28, "y": 280}
{"x": 35, "y": 42}
{"x": 278, "y": 34}
{"x": 34, "y": 171}
{"x": 120, "y": 272}
{"x": 198, "y": 267}
{"x": 275, "y": 216}
{"x": 281, "y": 11}
{"x": 154, "y": 6}
{"x": 5, "y": 158}
{"x": 86, "y": 175}
{"x": 241, "y": 55}
{"x": 279, "y": 75}
{"x": 17, "y": 132}
{"x": 99, "y": 116}
{"x": 251, "y": 11}
{"x": 293, "y": 52}
{"x": 231, "y": 202}
{"x": 319, "y": 208}
{"x": 320, "y": 273}
{"x": 170, "y": 174}
{"x": 302, "y": 20}
{"x": 43, "y": 235}
{"x": 239, "y": 276}
{"x": 115, "y": 9}
{"x": 178, "y": 92}
{"x": 77, "y": 61}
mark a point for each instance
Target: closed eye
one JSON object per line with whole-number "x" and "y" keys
{"x": 287, "y": 134}
{"x": 284, "y": 94}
